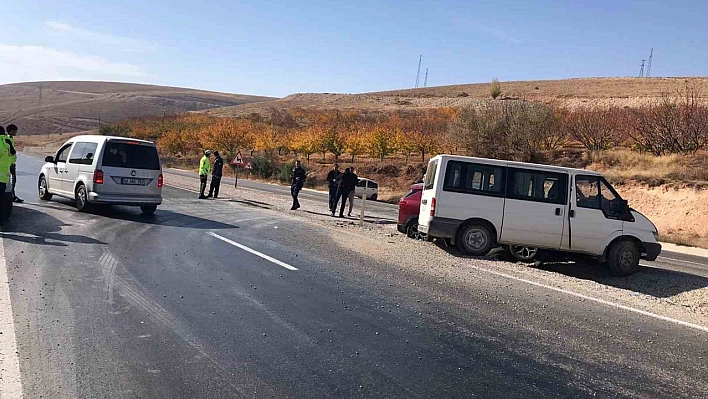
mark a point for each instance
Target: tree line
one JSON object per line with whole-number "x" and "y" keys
{"x": 507, "y": 129}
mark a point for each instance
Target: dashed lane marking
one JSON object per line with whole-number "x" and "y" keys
{"x": 253, "y": 251}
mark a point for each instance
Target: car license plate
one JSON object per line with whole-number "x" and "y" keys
{"x": 134, "y": 182}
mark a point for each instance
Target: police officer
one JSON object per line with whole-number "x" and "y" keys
{"x": 216, "y": 176}
{"x": 297, "y": 179}
{"x": 332, "y": 178}
{"x": 204, "y": 167}
{"x": 7, "y": 154}
{"x": 11, "y": 133}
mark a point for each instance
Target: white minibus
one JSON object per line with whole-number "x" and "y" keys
{"x": 480, "y": 203}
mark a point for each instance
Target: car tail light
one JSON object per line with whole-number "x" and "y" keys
{"x": 98, "y": 176}
{"x": 159, "y": 180}
{"x": 432, "y": 207}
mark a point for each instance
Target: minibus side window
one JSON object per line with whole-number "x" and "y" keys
{"x": 473, "y": 178}
{"x": 538, "y": 186}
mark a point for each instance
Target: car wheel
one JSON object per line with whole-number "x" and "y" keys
{"x": 623, "y": 258}
{"x": 374, "y": 197}
{"x": 522, "y": 253}
{"x": 82, "y": 204}
{"x": 7, "y": 205}
{"x": 148, "y": 209}
{"x": 412, "y": 231}
{"x": 44, "y": 189}
{"x": 475, "y": 239}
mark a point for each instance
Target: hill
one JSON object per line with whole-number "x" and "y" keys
{"x": 572, "y": 93}
{"x": 78, "y": 106}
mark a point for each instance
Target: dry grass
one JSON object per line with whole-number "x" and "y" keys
{"x": 625, "y": 165}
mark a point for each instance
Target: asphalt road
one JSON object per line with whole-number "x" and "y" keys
{"x": 116, "y": 305}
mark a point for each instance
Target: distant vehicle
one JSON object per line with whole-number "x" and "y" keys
{"x": 481, "y": 203}
{"x": 368, "y": 187}
{"x": 97, "y": 170}
{"x": 408, "y": 209}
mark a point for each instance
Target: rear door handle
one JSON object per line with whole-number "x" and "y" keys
{"x": 572, "y": 213}
{"x": 558, "y": 211}
{"x": 425, "y": 201}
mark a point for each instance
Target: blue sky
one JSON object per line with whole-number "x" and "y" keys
{"x": 282, "y": 47}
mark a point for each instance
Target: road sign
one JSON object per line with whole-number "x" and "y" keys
{"x": 238, "y": 160}
{"x": 248, "y": 166}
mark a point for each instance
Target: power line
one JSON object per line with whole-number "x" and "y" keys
{"x": 641, "y": 70}
{"x": 425, "y": 83}
{"x": 651, "y": 55}
{"x": 417, "y": 77}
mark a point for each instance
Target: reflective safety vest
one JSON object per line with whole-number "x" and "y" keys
{"x": 14, "y": 157}
{"x": 5, "y": 160}
{"x": 204, "y": 165}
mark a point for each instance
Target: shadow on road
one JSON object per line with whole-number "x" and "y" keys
{"x": 367, "y": 219}
{"x": 659, "y": 283}
{"x": 35, "y": 227}
{"x": 161, "y": 218}
{"x": 256, "y": 204}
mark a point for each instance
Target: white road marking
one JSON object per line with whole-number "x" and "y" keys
{"x": 10, "y": 381}
{"x": 253, "y": 251}
{"x": 598, "y": 300}
{"x": 684, "y": 261}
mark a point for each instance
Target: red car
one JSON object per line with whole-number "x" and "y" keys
{"x": 408, "y": 208}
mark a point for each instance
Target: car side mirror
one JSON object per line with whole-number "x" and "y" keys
{"x": 49, "y": 159}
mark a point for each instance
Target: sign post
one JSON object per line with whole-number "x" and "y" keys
{"x": 237, "y": 162}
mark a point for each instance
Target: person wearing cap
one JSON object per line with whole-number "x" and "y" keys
{"x": 204, "y": 167}
{"x": 216, "y": 176}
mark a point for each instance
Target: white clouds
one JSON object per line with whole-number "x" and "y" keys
{"x": 497, "y": 33}
{"x": 115, "y": 43}
{"x": 31, "y": 63}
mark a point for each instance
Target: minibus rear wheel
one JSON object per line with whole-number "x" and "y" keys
{"x": 475, "y": 239}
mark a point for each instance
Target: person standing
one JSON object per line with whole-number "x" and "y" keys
{"x": 352, "y": 191}
{"x": 332, "y": 179}
{"x": 216, "y": 175}
{"x": 297, "y": 180}
{"x": 347, "y": 183}
{"x": 12, "y": 132}
{"x": 204, "y": 167}
{"x": 7, "y": 155}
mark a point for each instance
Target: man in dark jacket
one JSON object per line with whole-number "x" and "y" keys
{"x": 332, "y": 178}
{"x": 216, "y": 173}
{"x": 297, "y": 179}
{"x": 347, "y": 183}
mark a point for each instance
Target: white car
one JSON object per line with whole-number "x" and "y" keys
{"x": 107, "y": 170}
{"x": 480, "y": 203}
{"x": 368, "y": 187}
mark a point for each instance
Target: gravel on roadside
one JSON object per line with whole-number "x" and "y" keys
{"x": 677, "y": 295}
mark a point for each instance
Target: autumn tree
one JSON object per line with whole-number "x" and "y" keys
{"x": 228, "y": 134}
{"x": 381, "y": 141}
{"x": 596, "y": 129}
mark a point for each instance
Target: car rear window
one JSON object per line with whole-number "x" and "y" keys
{"x": 133, "y": 156}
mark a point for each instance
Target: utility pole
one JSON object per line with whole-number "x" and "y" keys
{"x": 425, "y": 83}
{"x": 651, "y": 55}
{"x": 417, "y": 77}
{"x": 641, "y": 70}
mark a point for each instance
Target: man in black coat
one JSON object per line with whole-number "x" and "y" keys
{"x": 332, "y": 179}
{"x": 347, "y": 183}
{"x": 297, "y": 180}
{"x": 216, "y": 174}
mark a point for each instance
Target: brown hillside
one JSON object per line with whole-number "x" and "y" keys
{"x": 77, "y": 106}
{"x": 572, "y": 93}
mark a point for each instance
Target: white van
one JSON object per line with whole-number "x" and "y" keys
{"x": 104, "y": 170}
{"x": 481, "y": 203}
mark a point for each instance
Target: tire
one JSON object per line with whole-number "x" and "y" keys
{"x": 43, "y": 189}
{"x": 148, "y": 209}
{"x": 7, "y": 205}
{"x": 374, "y": 197}
{"x": 412, "y": 231}
{"x": 522, "y": 253}
{"x": 81, "y": 196}
{"x": 623, "y": 258}
{"x": 475, "y": 239}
